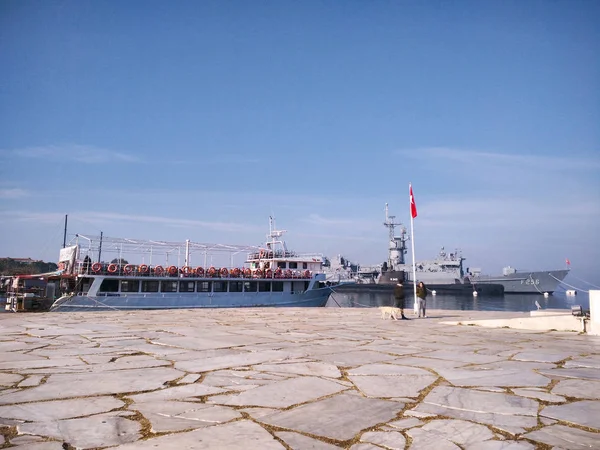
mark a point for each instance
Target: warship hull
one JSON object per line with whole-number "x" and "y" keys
{"x": 525, "y": 282}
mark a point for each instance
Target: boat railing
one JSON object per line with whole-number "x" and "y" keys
{"x": 151, "y": 271}
{"x": 270, "y": 254}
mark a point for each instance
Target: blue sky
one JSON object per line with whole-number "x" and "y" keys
{"x": 177, "y": 120}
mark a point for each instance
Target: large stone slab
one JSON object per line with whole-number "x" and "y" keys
{"x": 584, "y": 413}
{"x": 177, "y": 393}
{"x": 578, "y": 388}
{"x": 168, "y": 416}
{"x": 543, "y": 356}
{"x": 355, "y": 358}
{"x": 40, "y": 363}
{"x": 62, "y": 386}
{"x": 223, "y": 378}
{"x": 241, "y": 435}
{"x": 501, "y": 445}
{"x": 561, "y": 437}
{"x": 282, "y": 394}
{"x": 387, "y": 369}
{"x": 9, "y": 379}
{"x": 458, "y": 431}
{"x": 392, "y": 386}
{"x": 475, "y": 377}
{"x": 425, "y": 440}
{"x": 589, "y": 361}
{"x": 340, "y": 417}
{"x": 61, "y": 409}
{"x": 230, "y": 361}
{"x": 316, "y": 369}
{"x": 539, "y": 395}
{"x": 507, "y": 412}
{"x": 89, "y": 432}
{"x": 583, "y": 373}
{"x": 464, "y": 357}
{"x": 297, "y": 441}
{"x": 392, "y": 440}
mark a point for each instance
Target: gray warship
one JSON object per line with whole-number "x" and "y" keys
{"x": 444, "y": 275}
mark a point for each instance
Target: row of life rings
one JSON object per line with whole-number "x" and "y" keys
{"x": 199, "y": 271}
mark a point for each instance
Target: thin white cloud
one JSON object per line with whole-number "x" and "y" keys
{"x": 73, "y": 152}
{"x": 532, "y": 163}
{"x": 13, "y": 193}
{"x": 316, "y": 219}
{"x": 175, "y": 222}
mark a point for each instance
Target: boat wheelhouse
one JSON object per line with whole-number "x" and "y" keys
{"x": 272, "y": 276}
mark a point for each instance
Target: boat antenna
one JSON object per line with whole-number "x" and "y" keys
{"x": 65, "y": 233}
{"x": 100, "y": 248}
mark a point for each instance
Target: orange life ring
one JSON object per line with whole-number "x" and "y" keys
{"x": 128, "y": 269}
{"x": 278, "y": 272}
{"x": 235, "y": 272}
{"x": 199, "y": 271}
{"x": 172, "y": 270}
{"x": 307, "y": 274}
{"x": 212, "y": 271}
{"x": 143, "y": 268}
{"x": 258, "y": 273}
{"x": 159, "y": 270}
{"x": 112, "y": 268}
{"x": 269, "y": 273}
{"x": 224, "y": 272}
{"x": 288, "y": 273}
{"x": 187, "y": 270}
{"x": 247, "y": 272}
{"x": 96, "y": 267}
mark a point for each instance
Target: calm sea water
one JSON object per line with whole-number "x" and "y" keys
{"x": 508, "y": 302}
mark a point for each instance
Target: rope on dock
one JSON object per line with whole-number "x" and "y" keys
{"x": 567, "y": 284}
{"x": 586, "y": 282}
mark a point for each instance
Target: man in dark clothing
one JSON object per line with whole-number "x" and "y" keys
{"x": 399, "y": 296}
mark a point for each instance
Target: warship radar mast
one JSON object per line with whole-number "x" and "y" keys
{"x": 397, "y": 244}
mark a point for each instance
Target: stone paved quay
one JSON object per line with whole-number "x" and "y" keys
{"x": 322, "y": 378}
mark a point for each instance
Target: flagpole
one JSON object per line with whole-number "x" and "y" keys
{"x": 412, "y": 241}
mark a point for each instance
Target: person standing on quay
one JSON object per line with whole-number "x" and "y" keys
{"x": 399, "y": 296}
{"x": 421, "y": 298}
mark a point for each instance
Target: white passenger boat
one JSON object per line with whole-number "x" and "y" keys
{"x": 271, "y": 276}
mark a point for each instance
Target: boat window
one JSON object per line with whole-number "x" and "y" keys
{"x": 130, "y": 285}
{"x": 168, "y": 286}
{"x": 277, "y": 286}
{"x": 298, "y": 286}
{"x": 264, "y": 286}
{"x": 204, "y": 286}
{"x": 293, "y": 265}
{"x": 220, "y": 286}
{"x": 186, "y": 286}
{"x": 250, "y": 286}
{"x": 150, "y": 286}
{"x": 109, "y": 285}
{"x": 305, "y": 265}
{"x": 281, "y": 264}
{"x": 235, "y": 286}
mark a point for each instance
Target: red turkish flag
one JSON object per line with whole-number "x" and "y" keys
{"x": 568, "y": 262}
{"x": 413, "y": 206}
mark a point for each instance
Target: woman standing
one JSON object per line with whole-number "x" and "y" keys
{"x": 421, "y": 298}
